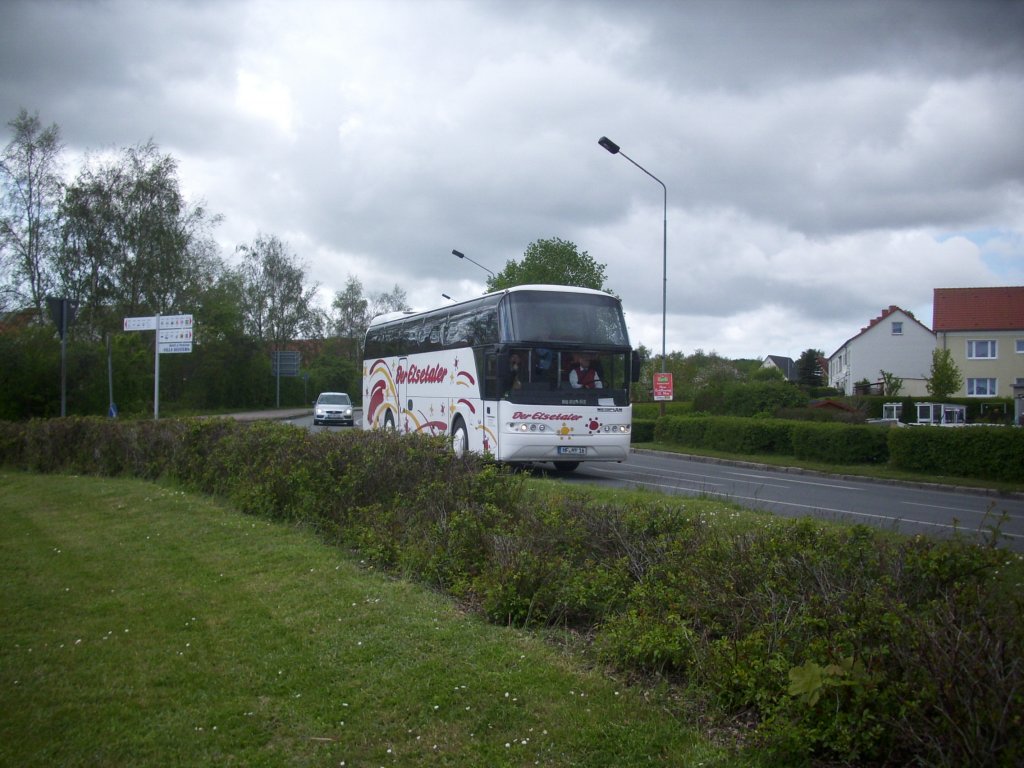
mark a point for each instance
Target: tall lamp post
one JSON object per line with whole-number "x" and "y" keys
{"x": 461, "y": 255}
{"x": 612, "y": 147}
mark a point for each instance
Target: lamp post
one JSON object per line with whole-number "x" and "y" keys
{"x": 461, "y": 255}
{"x": 612, "y": 147}
{"x": 445, "y": 295}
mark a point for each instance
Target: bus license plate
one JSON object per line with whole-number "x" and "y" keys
{"x": 571, "y": 451}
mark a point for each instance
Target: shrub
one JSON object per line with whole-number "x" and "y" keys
{"x": 682, "y": 430}
{"x": 724, "y": 433}
{"x": 826, "y": 415}
{"x": 643, "y": 430}
{"x": 840, "y": 443}
{"x": 736, "y": 398}
{"x": 737, "y": 435}
{"x": 994, "y": 453}
{"x": 847, "y": 644}
{"x": 652, "y": 410}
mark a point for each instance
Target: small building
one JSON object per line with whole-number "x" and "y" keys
{"x": 894, "y": 342}
{"x": 784, "y": 365}
{"x": 892, "y": 411}
{"x": 941, "y": 414}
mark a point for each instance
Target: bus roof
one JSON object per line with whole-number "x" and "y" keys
{"x": 388, "y": 317}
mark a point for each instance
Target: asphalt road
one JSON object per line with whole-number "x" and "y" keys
{"x": 907, "y": 508}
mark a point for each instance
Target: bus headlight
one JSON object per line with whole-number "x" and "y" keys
{"x": 526, "y": 426}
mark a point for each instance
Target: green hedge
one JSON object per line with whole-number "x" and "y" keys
{"x": 834, "y": 641}
{"x": 652, "y": 410}
{"x": 727, "y": 433}
{"x": 643, "y": 430}
{"x": 989, "y": 453}
{"x": 992, "y": 453}
{"x": 840, "y": 443}
{"x": 679, "y": 430}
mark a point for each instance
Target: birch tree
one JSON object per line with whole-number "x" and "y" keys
{"x": 31, "y": 187}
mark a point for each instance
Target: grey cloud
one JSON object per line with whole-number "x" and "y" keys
{"x": 798, "y": 140}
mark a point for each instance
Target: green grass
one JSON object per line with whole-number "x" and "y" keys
{"x": 872, "y": 471}
{"x": 147, "y": 626}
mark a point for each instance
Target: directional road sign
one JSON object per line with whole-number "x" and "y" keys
{"x": 174, "y": 336}
{"x": 140, "y": 323}
{"x": 149, "y": 323}
{"x": 175, "y": 347}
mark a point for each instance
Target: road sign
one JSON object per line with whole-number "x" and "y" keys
{"x": 149, "y": 323}
{"x": 173, "y": 337}
{"x": 663, "y": 386}
{"x": 285, "y": 363}
{"x": 175, "y": 347}
{"x": 174, "y": 334}
{"x": 175, "y": 321}
{"x": 63, "y": 312}
{"x": 140, "y": 323}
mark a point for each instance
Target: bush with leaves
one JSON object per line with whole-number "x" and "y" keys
{"x": 994, "y": 453}
{"x": 841, "y": 443}
{"x": 844, "y": 644}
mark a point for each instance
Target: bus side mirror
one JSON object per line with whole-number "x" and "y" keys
{"x": 634, "y": 369}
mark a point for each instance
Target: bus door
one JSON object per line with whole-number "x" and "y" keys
{"x": 402, "y": 389}
{"x": 495, "y": 368}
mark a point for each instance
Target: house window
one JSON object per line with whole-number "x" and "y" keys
{"x": 1020, "y": 346}
{"x": 897, "y": 327}
{"x": 981, "y": 350}
{"x": 892, "y": 411}
{"x": 981, "y": 387}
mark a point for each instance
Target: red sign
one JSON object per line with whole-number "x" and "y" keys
{"x": 663, "y": 386}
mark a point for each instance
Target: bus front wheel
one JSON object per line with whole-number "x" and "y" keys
{"x": 460, "y": 437}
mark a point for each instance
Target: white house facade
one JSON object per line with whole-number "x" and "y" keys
{"x": 894, "y": 342}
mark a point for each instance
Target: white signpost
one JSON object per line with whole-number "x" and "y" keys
{"x": 173, "y": 336}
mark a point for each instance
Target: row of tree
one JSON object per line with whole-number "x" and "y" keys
{"x": 120, "y": 239}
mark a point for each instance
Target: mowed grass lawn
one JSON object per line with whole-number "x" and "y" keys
{"x": 146, "y": 626}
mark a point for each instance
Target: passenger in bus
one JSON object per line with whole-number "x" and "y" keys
{"x": 514, "y": 381}
{"x": 543, "y": 367}
{"x": 542, "y": 358}
{"x": 583, "y": 374}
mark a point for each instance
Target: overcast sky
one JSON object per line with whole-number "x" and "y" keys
{"x": 823, "y": 160}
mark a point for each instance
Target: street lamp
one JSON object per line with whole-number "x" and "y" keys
{"x": 461, "y": 255}
{"x": 445, "y": 295}
{"x": 612, "y": 147}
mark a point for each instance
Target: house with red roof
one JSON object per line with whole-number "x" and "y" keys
{"x": 894, "y": 342}
{"x": 983, "y": 328}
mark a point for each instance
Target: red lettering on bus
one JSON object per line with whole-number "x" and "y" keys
{"x": 547, "y": 416}
{"x": 435, "y": 374}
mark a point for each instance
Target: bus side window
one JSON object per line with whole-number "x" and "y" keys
{"x": 487, "y": 362}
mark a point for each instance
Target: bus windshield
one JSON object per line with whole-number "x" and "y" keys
{"x": 559, "y": 318}
{"x": 563, "y": 347}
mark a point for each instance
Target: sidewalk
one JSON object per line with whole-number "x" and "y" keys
{"x": 276, "y": 414}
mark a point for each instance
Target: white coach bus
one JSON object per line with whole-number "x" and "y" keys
{"x": 535, "y": 373}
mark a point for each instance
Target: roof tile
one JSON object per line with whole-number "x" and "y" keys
{"x": 978, "y": 309}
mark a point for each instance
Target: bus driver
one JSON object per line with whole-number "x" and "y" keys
{"x": 583, "y": 375}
